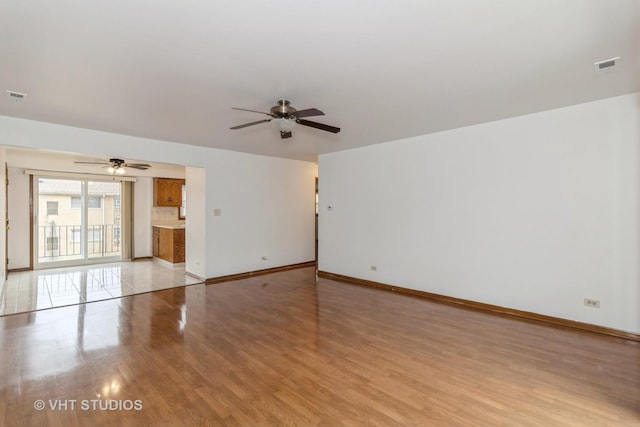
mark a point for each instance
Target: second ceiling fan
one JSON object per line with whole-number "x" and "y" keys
{"x": 286, "y": 117}
{"x": 117, "y": 166}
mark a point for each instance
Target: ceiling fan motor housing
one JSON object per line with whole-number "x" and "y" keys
{"x": 283, "y": 109}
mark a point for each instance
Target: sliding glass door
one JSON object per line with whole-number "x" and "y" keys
{"x": 103, "y": 219}
{"x": 78, "y": 221}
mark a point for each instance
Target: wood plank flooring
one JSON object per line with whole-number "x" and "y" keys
{"x": 280, "y": 349}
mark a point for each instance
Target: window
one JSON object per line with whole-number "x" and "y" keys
{"x": 52, "y": 243}
{"x": 76, "y": 220}
{"x": 94, "y": 234}
{"x": 52, "y": 208}
{"x": 75, "y": 235}
{"x": 183, "y": 205}
{"x": 94, "y": 202}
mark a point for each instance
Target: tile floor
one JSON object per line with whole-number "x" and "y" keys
{"x": 57, "y": 287}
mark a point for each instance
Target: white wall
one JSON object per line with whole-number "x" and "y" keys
{"x": 533, "y": 213}
{"x": 196, "y": 222}
{"x": 267, "y": 203}
{"x": 19, "y": 220}
{"x": 267, "y": 208}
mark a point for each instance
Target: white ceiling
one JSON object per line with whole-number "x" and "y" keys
{"x": 380, "y": 70}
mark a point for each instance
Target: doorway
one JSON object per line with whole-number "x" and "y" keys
{"x": 78, "y": 221}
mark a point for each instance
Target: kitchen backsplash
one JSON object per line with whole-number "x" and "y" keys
{"x": 164, "y": 214}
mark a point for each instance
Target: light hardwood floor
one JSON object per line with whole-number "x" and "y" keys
{"x": 280, "y": 349}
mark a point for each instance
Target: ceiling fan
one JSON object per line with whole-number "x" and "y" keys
{"x": 286, "y": 117}
{"x": 117, "y": 166}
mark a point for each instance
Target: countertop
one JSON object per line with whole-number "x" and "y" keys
{"x": 170, "y": 225}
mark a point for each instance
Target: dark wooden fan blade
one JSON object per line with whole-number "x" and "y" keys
{"x": 320, "y": 126}
{"x": 252, "y": 111}
{"x": 141, "y": 166}
{"x": 250, "y": 124}
{"x": 308, "y": 113}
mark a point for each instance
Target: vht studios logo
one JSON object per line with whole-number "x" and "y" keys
{"x": 88, "y": 405}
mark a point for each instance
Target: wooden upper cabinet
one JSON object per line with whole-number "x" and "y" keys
{"x": 167, "y": 192}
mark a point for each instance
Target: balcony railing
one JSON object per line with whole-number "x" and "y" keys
{"x": 64, "y": 241}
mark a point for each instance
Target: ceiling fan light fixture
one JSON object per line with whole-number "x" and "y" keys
{"x": 284, "y": 125}
{"x": 116, "y": 169}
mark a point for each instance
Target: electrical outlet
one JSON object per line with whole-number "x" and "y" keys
{"x": 593, "y": 303}
{"x": 374, "y": 268}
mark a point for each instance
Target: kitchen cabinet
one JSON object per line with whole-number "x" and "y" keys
{"x": 168, "y": 243}
{"x": 167, "y": 192}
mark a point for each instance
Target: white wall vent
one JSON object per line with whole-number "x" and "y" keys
{"x": 16, "y": 96}
{"x": 607, "y": 65}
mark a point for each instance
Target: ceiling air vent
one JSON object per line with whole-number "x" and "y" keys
{"x": 607, "y": 65}
{"x": 16, "y": 96}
